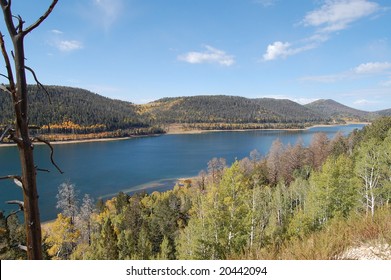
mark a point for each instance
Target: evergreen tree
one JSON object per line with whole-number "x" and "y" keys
{"x": 107, "y": 244}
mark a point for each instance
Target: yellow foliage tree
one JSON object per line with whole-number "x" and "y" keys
{"x": 61, "y": 238}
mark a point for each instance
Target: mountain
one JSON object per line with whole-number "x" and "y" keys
{"x": 75, "y": 110}
{"x": 229, "y": 109}
{"x": 332, "y": 109}
{"x": 74, "y": 105}
{"x": 386, "y": 112}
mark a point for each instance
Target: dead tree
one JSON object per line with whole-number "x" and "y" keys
{"x": 19, "y": 133}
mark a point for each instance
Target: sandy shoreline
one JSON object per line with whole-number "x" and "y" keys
{"x": 175, "y": 130}
{"x": 178, "y": 130}
{"x": 80, "y": 141}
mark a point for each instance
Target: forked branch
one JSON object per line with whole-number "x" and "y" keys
{"x": 38, "y": 139}
{"x": 17, "y": 179}
{"x": 9, "y": 133}
{"x": 17, "y": 202}
{"x": 41, "y": 19}
{"x": 10, "y": 75}
{"x": 39, "y": 84}
{"x": 6, "y": 6}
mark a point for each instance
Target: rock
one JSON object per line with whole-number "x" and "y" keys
{"x": 369, "y": 251}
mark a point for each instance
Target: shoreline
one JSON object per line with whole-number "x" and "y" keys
{"x": 81, "y": 141}
{"x": 161, "y": 185}
{"x": 181, "y": 131}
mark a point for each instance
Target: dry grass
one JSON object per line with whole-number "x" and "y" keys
{"x": 359, "y": 232}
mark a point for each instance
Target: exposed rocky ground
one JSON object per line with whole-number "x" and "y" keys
{"x": 368, "y": 251}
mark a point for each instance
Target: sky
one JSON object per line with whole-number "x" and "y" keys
{"x": 143, "y": 50}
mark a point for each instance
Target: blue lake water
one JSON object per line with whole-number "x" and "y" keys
{"x": 102, "y": 169}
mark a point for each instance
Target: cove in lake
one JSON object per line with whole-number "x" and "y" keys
{"x": 102, "y": 169}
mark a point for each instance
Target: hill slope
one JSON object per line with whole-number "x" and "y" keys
{"x": 386, "y": 112}
{"x": 229, "y": 109}
{"x": 74, "y": 105}
{"x": 75, "y": 110}
{"x": 332, "y": 109}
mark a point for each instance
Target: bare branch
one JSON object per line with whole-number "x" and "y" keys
{"x": 42, "y": 170}
{"x": 20, "y": 135}
{"x": 21, "y": 22}
{"x": 39, "y": 85}
{"x": 6, "y": 6}
{"x": 38, "y": 139}
{"x": 17, "y": 202}
{"x": 10, "y": 75}
{"x": 22, "y": 247}
{"x": 17, "y": 179}
{"x": 19, "y": 246}
{"x": 4, "y": 76}
{"x": 3, "y": 87}
{"x": 41, "y": 19}
{"x": 12, "y": 213}
{"x": 5, "y": 133}
{"x": 9, "y": 133}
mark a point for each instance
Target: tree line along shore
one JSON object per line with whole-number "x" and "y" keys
{"x": 65, "y": 113}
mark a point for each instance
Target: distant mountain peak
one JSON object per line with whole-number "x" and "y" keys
{"x": 333, "y": 109}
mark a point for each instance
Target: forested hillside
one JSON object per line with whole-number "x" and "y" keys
{"x": 74, "y": 110}
{"x": 297, "y": 202}
{"x": 332, "y": 109}
{"x": 230, "y": 109}
{"x": 386, "y": 112}
{"x": 72, "y": 104}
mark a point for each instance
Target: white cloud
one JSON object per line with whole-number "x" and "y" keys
{"x": 364, "y": 102}
{"x": 337, "y": 15}
{"x": 333, "y": 16}
{"x": 210, "y": 55}
{"x": 275, "y": 96}
{"x": 57, "y": 40}
{"x": 276, "y": 50}
{"x": 68, "y": 45}
{"x": 266, "y": 3}
{"x": 107, "y": 12}
{"x": 372, "y": 67}
{"x": 304, "y": 100}
{"x": 364, "y": 69}
{"x": 300, "y": 100}
{"x": 281, "y": 50}
{"x": 56, "y": 31}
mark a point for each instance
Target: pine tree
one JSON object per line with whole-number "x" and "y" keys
{"x": 107, "y": 244}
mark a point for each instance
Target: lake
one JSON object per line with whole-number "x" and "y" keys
{"x": 102, "y": 169}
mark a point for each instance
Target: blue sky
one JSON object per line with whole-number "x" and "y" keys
{"x": 143, "y": 50}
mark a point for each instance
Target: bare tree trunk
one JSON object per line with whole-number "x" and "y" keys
{"x": 25, "y": 146}
{"x": 20, "y": 134}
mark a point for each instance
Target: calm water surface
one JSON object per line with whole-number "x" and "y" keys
{"x": 102, "y": 169}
